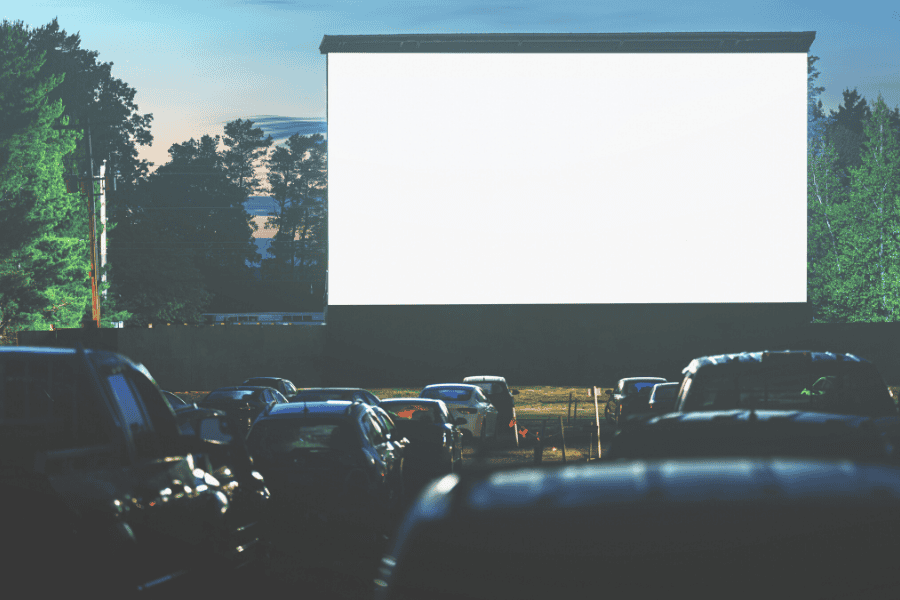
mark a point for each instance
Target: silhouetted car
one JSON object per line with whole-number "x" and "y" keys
{"x": 630, "y": 397}
{"x": 335, "y": 393}
{"x": 242, "y": 403}
{"x": 662, "y": 398}
{"x": 99, "y": 485}
{"x": 284, "y": 386}
{"x": 330, "y": 462}
{"x": 753, "y": 433}
{"x": 703, "y": 529}
{"x": 435, "y": 440}
{"x": 469, "y": 402}
{"x": 786, "y": 380}
{"x": 499, "y": 394}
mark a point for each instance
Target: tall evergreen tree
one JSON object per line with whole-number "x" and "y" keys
{"x": 845, "y": 131}
{"x": 33, "y": 200}
{"x": 297, "y": 182}
{"x": 246, "y": 146}
{"x": 872, "y": 238}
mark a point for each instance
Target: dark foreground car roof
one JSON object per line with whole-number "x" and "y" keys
{"x": 760, "y": 433}
{"x": 766, "y": 355}
{"x": 708, "y": 529}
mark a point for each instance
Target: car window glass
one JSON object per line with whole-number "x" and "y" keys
{"x": 290, "y": 387}
{"x": 136, "y": 419}
{"x": 51, "y": 397}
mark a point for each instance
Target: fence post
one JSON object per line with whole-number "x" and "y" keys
{"x": 569, "y": 410}
{"x": 562, "y": 432}
{"x": 539, "y": 445}
{"x": 515, "y": 426}
{"x": 597, "y": 416}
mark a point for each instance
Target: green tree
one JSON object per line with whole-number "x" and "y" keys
{"x": 825, "y": 207}
{"x": 34, "y": 258}
{"x": 245, "y": 148}
{"x": 871, "y": 287}
{"x": 845, "y": 131}
{"x": 297, "y": 182}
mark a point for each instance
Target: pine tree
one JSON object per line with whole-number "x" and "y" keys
{"x": 872, "y": 240}
{"x": 33, "y": 201}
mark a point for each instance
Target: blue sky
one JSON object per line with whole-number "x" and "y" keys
{"x": 197, "y": 64}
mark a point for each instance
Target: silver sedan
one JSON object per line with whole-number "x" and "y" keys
{"x": 468, "y": 402}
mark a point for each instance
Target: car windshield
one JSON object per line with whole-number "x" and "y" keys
{"x": 410, "y": 411}
{"x": 451, "y": 395}
{"x": 280, "y": 436}
{"x": 818, "y": 387}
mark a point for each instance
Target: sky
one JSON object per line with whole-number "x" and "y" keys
{"x": 197, "y": 64}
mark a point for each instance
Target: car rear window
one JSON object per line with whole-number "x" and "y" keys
{"x": 818, "y": 387}
{"x": 457, "y": 395}
{"x": 229, "y": 396}
{"x": 666, "y": 392}
{"x": 281, "y": 436}
{"x": 410, "y": 411}
{"x": 636, "y": 386}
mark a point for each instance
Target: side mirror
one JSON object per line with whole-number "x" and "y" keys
{"x": 460, "y": 421}
{"x": 215, "y": 430}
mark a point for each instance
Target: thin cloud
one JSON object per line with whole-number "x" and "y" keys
{"x": 281, "y": 128}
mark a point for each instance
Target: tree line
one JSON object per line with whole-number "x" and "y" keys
{"x": 853, "y": 208}
{"x": 180, "y": 241}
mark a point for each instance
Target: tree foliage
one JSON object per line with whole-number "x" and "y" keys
{"x": 854, "y": 234}
{"x": 297, "y": 182}
{"x": 35, "y": 259}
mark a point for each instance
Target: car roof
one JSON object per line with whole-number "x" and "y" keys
{"x": 301, "y": 409}
{"x": 416, "y": 400}
{"x": 451, "y": 385}
{"x": 764, "y": 355}
{"x": 659, "y": 379}
{"x": 484, "y": 378}
{"x": 332, "y": 389}
{"x": 674, "y": 480}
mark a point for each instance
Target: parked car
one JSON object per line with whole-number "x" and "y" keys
{"x": 100, "y": 486}
{"x": 747, "y": 528}
{"x": 662, "y": 398}
{"x": 242, "y": 403}
{"x": 785, "y": 380}
{"x": 754, "y": 433}
{"x": 284, "y": 386}
{"x": 469, "y": 402}
{"x": 435, "y": 440}
{"x": 330, "y": 462}
{"x": 230, "y": 463}
{"x": 627, "y": 398}
{"x": 498, "y": 394}
{"x": 335, "y": 393}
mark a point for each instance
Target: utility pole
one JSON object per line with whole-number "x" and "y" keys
{"x": 85, "y": 184}
{"x": 92, "y": 229}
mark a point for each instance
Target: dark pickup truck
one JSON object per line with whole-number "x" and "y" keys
{"x": 102, "y": 491}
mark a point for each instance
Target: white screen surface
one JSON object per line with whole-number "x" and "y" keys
{"x": 566, "y": 178}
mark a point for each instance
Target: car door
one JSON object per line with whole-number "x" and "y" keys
{"x": 166, "y": 515}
